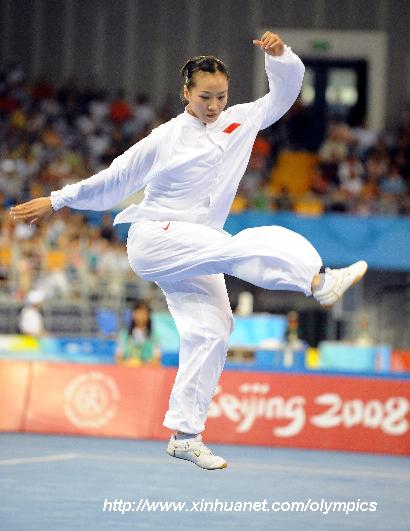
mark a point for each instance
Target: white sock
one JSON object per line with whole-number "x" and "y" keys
{"x": 182, "y": 436}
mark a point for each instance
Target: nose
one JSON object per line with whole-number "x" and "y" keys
{"x": 212, "y": 106}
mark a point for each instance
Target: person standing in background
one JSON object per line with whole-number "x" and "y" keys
{"x": 138, "y": 344}
{"x": 31, "y": 321}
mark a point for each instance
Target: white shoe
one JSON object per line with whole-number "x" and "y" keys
{"x": 337, "y": 281}
{"x": 195, "y": 450}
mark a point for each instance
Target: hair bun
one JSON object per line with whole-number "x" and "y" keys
{"x": 201, "y": 63}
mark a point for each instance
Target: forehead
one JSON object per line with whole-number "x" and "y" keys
{"x": 210, "y": 81}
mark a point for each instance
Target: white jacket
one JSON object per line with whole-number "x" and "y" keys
{"x": 190, "y": 171}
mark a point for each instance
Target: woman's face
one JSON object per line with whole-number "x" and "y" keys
{"x": 208, "y": 97}
{"x": 141, "y": 316}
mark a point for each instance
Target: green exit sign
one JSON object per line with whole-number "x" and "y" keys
{"x": 320, "y": 44}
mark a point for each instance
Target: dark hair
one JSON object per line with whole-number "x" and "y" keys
{"x": 201, "y": 63}
{"x": 137, "y": 306}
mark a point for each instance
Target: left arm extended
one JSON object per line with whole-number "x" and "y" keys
{"x": 285, "y": 75}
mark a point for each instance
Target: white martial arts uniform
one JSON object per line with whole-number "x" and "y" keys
{"x": 191, "y": 172}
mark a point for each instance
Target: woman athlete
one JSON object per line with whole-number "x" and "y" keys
{"x": 190, "y": 168}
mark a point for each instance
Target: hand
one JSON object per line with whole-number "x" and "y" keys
{"x": 271, "y": 44}
{"x": 33, "y": 210}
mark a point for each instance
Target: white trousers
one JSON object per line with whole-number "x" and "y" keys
{"x": 188, "y": 261}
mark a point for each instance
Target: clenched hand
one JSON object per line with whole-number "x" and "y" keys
{"x": 270, "y": 43}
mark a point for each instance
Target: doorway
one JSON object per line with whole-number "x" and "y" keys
{"x": 333, "y": 90}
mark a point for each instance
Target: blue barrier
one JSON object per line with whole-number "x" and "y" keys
{"x": 384, "y": 242}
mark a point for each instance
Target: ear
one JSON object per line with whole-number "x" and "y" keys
{"x": 186, "y": 93}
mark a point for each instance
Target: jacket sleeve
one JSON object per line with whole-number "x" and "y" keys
{"x": 285, "y": 75}
{"x": 128, "y": 173}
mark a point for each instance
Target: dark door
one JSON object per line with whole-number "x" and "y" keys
{"x": 333, "y": 90}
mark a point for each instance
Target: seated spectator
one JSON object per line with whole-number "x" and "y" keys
{"x": 376, "y": 164}
{"x": 138, "y": 344}
{"x": 334, "y": 151}
{"x": 364, "y": 137}
{"x": 393, "y": 183}
{"x": 107, "y": 231}
{"x": 144, "y": 113}
{"x": 336, "y": 146}
{"x": 282, "y": 201}
{"x": 120, "y": 110}
{"x": 319, "y": 185}
{"x": 351, "y": 181}
{"x": 337, "y": 202}
{"x": 351, "y": 165}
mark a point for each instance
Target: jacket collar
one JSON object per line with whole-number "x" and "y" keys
{"x": 189, "y": 119}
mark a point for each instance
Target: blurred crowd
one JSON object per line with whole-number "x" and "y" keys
{"x": 64, "y": 258}
{"x": 355, "y": 170}
{"x": 53, "y": 136}
{"x": 50, "y": 137}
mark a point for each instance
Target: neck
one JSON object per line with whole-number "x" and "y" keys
{"x": 190, "y": 111}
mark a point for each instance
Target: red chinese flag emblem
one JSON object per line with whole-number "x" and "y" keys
{"x": 231, "y": 128}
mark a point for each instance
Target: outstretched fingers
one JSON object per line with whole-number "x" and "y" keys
{"x": 22, "y": 211}
{"x": 33, "y": 210}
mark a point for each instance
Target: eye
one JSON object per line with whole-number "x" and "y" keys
{"x": 221, "y": 97}
{"x": 205, "y": 97}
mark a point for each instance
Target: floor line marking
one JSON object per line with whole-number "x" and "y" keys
{"x": 341, "y": 472}
{"x": 38, "y": 459}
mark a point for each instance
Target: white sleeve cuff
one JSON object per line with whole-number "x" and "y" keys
{"x": 56, "y": 201}
{"x": 272, "y": 59}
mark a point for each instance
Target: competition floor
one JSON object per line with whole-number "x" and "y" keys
{"x": 58, "y": 483}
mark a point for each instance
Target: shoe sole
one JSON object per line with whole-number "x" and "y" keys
{"x": 356, "y": 280}
{"x": 225, "y": 465}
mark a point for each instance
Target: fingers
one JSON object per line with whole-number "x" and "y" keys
{"x": 33, "y": 210}
{"x": 18, "y": 208}
{"x": 29, "y": 216}
{"x": 23, "y": 207}
{"x": 269, "y": 38}
{"x": 29, "y": 213}
{"x": 271, "y": 43}
{"x": 22, "y": 213}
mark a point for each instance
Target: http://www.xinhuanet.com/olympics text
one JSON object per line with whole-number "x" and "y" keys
{"x": 318, "y": 506}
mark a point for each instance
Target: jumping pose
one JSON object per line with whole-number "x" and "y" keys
{"x": 190, "y": 168}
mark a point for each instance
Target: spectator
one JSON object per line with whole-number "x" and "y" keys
{"x": 364, "y": 137}
{"x": 138, "y": 344}
{"x": 107, "y": 231}
{"x": 120, "y": 110}
{"x": 31, "y": 320}
{"x": 336, "y": 146}
{"x": 393, "y": 183}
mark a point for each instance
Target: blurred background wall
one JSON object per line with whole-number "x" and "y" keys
{"x": 139, "y": 45}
